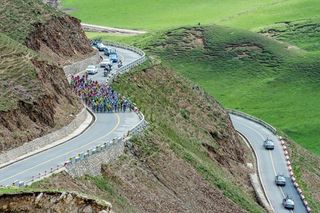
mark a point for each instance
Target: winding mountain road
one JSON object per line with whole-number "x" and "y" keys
{"x": 106, "y": 127}
{"x": 271, "y": 163}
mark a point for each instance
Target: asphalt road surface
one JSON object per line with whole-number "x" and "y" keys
{"x": 271, "y": 163}
{"x": 106, "y": 127}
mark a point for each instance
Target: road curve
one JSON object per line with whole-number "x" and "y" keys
{"x": 271, "y": 163}
{"x": 106, "y": 127}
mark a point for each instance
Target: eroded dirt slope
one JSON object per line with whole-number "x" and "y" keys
{"x": 35, "y": 42}
{"x": 51, "y": 202}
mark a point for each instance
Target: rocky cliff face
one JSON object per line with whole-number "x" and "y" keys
{"x": 51, "y": 202}
{"x": 60, "y": 39}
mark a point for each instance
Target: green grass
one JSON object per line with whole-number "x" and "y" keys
{"x": 155, "y": 15}
{"x": 18, "y": 76}
{"x": 280, "y": 86}
{"x": 111, "y": 193}
{"x": 18, "y": 17}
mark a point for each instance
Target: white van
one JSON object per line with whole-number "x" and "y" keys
{"x": 105, "y": 62}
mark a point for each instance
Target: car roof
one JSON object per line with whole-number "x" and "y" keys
{"x": 268, "y": 141}
{"x": 280, "y": 177}
{"x": 289, "y": 201}
{"x": 91, "y": 66}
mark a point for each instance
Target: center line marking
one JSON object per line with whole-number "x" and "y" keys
{"x": 26, "y": 170}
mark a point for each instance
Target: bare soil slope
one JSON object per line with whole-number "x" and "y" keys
{"x": 53, "y": 202}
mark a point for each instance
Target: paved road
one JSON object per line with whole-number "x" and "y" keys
{"x": 96, "y": 28}
{"x": 106, "y": 127}
{"x": 270, "y": 163}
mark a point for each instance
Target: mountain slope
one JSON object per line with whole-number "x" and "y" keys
{"x": 35, "y": 95}
{"x": 190, "y": 159}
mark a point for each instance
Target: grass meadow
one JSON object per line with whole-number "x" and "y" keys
{"x": 164, "y": 14}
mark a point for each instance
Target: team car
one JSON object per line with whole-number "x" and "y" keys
{"x": 280, "y": 180}
{"x": 288, "y": 203}
{"x": 91, "y": 70}
{"x": 268, "y": 144}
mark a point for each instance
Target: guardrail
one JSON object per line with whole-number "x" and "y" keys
{"x": 285, "y": 149}
{"x": 127, "y": 67}
{"x": 97, "y": 149}
{"x": 290, "y": 169}
{"x": 252, "y": 118}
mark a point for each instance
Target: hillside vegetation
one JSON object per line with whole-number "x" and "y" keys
{"x": 155, "y": 15}
{"x": 190, "y": 159}
{"x": 35, "y": 95}
{"x": 19, "y": 18}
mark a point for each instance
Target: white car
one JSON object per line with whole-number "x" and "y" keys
{"x": 91, "y": 70}
{"x": 101, "y": 47}
{"x": 105, "y": 62}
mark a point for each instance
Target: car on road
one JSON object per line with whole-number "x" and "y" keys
{"x": 268, "y": 144}
{"x": 108, "y": 51}
{"x": 91, "y": 70}
{"x": 105, "y": 62}
{"x": 101, "y": 47}
{"x": 114, "y": 57}
{"x": 280, "y": 180}
{"x": 288, "y": 203}
{"x": 95, "y": 42}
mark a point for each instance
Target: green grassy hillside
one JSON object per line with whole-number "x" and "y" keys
{"x": 251, "y": 73}
{"x": 18, "y": 79}
{"x": 154, "y": 15}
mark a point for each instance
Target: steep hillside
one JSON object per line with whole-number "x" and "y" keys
{"x": 33, "y": 101}
{"x": 189, "y": 160}
{"x": 35, "y": 96}
{"x": 56, "y": 36}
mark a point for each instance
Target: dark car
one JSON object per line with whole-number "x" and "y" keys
{"x": 268, "y": 144}
{"x": 280, "y": 180}
{"x": 288, "y": 203}
{"x": 113, "y": 57}
{"x": 95, "y": 42}
{"x": 106, "y": 51}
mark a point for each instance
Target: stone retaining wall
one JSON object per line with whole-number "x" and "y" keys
{"x": 90, "y": 163}
{"x": 81, "y": 65}
{"x": 34, "y": 145}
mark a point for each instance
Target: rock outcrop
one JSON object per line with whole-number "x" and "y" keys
{"x": 52, "y": 202}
